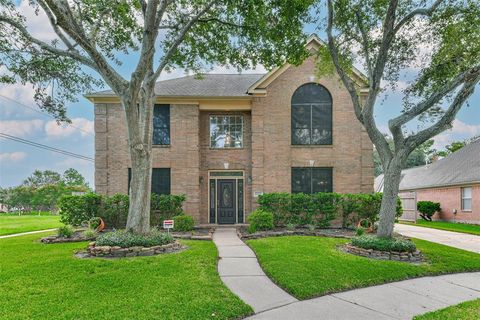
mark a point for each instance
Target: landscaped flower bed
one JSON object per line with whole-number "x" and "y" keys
{"x": 414, "y": 257}
{"x": 118, "y": 252}
{"x": 75, "y": 236}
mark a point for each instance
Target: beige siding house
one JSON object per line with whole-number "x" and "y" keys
{"x": 224, "y": 139}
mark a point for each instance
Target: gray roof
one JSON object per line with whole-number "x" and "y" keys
{"x": 460, "y": 167}
{"x": 208, "y": 85}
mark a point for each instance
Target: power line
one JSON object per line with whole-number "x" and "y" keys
{"x": 43, "y": 113}
{"x": 45, "y": 147}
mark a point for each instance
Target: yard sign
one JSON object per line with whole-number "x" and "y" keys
{"x": 168, "y": 224}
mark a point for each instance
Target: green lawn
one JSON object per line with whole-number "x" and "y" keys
{"x": 449, "y": 226}
{"x": 313, "y": 266}
{"x": 464, "y": 311}
{"x": 10, "y": 224}
{"x": 41, "y": 281}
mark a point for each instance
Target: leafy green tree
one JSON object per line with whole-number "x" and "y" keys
{"x": 72, "y": 178}
{"x": 387, "y": 37}
{"x": 163, "y": 34}
{"x": 42, "y": 178}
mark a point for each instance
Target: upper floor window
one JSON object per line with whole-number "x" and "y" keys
{"x": 226, "y": 131}
{"x": 161, "y": 124}
{"x": 467, "y": 199}
{"x": 311, "y": 115}
{"x": 312, "y": 180}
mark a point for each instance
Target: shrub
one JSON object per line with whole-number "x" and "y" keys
{"x": 348, "y": 204}
{"x": 360, "y": 231}
{"x": 66, "y": 231}
{"x": 114, "y": 210}
{"x": 127, "y": 239}
{"x": 183, "y": 223}
{"x": 260, "y": 220}
{"x": 165, "y": 207}
{"x": 291, "y": 226}
{"x": 89, "y": 233}
{"x": 75, "y": 210}
{"x": 383, "y": 244}
{"x": 94, "y": 223}
{"x": 427, "y": 209}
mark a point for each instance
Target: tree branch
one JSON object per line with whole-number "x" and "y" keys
{"x": 429, "y": 102}
{"x": 364, "y": 41}
{"x": 417, "y": 12}
{"x": 44, "y": 46}
{"x": 446, "y": 120}
{"x": 180, "y": 37}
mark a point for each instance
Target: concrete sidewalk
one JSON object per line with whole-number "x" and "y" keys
{"x": 463, "y": 241}
{"x": 239, "y": 270}
{"x": 26, "y": 233}
{"x": 398, "y": 300}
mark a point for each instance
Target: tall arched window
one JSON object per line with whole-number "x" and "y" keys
{"x": 311, "y": 115}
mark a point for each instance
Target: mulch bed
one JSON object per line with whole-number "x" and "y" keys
{"x": 280, "y": 232}
{"x": 196, "y": 234}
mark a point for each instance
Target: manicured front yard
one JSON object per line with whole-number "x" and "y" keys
{"x": 10, "y": 224}
{"x": 469, "y": 310}
{"x": 448, "y": 226}
{"x": 41, "y": 281}
{"x": 313, "y": 266}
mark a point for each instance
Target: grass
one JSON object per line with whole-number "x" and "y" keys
{"x": 448, "y": 226}
{"x": 469, "y": 310}
{"x": 313, "y": 266}
{"x": 41, "y": 281}
{"x": 10, "y": 224}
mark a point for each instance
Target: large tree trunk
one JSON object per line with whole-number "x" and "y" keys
{"x": 139, "y": 123}
{"x": 389, "y": 200}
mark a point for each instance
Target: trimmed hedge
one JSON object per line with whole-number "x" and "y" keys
{"x": 125, "y": 239}
{"x": 79, "y": 209}
{"x": 320, "y": 209}
{"x": 260, "y": 220}
{"x": 183, "y": 223}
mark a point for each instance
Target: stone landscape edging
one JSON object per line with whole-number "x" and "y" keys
{"x": 411, "y": 257}
{"x": 281, "y": 233}
{"x": 94, "y": 251}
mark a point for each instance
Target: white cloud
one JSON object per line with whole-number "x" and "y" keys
{"x": 20, "y": 128}
{"x": 80, "y": 126}
{"x": 12, "y": 156}
{"x": 37, "y": 22}
{"x": 11, "y": 98}
{"x": 459, "y": 131}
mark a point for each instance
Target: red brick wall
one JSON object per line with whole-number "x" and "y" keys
{"x": 450, "y": 199}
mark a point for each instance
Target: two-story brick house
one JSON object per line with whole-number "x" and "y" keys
{"x": 223, "y": 139}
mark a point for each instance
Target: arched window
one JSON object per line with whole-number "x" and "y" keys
{"x": 311, "y": 115}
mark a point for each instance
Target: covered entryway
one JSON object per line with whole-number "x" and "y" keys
{"x": 226, "y": 200}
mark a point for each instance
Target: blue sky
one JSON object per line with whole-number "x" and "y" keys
{"x": 17, "y": 118}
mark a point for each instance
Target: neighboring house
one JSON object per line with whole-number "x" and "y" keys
{"x": 224, "y": 139}
{"x": 453, "y": 181}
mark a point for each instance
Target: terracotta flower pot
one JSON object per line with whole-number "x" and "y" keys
{"x": 101, "y": 226}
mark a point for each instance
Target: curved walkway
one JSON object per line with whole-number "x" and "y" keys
{"x": 26, "y": 233}
{"x": 239, "y": 270}
{"x": 241, "y": 273}
{"x": 459, "y": 240}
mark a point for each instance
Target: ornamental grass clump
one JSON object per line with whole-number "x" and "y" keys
{"x": 126, "y": 239}
{"x": 383, "y": 244}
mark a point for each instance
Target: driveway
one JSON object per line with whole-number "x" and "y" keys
{"x": 463, "y": 241}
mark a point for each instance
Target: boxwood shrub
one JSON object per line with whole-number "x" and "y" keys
{"x": 183, "y": 223}
{"x": 260, "y": 220}
{"x": 383, "y": 244}
{"x": 127, "y": 239}
{"x": 427, "y": 209}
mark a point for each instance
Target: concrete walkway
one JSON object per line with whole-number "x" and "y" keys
{"x": 25, "y": 233}
{"x": 398, "y": 300}
{"x": 463, "y": 241}
{"x": 239, "y": 270}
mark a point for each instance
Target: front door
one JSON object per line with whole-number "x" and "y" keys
{"x": 226, "y": 201}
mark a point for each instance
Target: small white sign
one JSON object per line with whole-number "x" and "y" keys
{"x": 256, "y": 194}
{"x": 167, "y": 224}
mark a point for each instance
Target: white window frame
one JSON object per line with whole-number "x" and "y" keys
{"x": 465, "y": 198}
{"x": 229, "y": 116}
